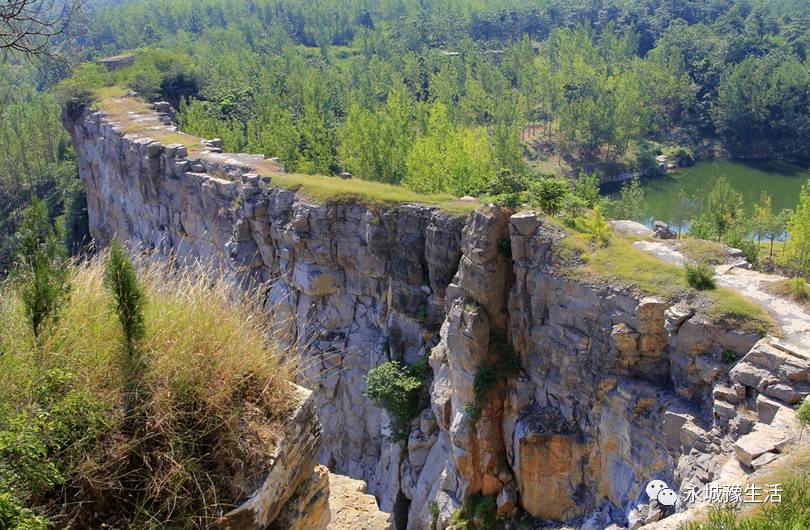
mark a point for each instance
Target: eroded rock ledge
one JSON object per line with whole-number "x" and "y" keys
{"x": 614, "y": 389}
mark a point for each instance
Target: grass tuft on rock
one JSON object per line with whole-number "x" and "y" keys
{"x": 214, "y": 397}
{"x": 622, "y": 264}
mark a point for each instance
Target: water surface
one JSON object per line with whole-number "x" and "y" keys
{"x": 781, "y": 180}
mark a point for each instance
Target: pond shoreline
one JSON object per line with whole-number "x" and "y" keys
{"x": 673, "y": 196}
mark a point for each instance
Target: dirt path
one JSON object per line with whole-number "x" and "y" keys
{"x": 793, "y": 318}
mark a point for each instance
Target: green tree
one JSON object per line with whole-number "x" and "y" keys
{"x": 597, "y": 226}
{"x": 397, "y": 388}
{"x": 121, "y": 279}
{"x": 448, "y": 158}
{"x": 42, "y": 271}
{"x": 549, "y": 193}
{"x": 374, "y": 145}
{"x": 586, "y": 188}
{"x": 799, "y": 230}
{"x": 632, "y": 203}
{"x": 724, "y": 211}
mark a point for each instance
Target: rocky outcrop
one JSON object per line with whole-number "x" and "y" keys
{"x": 293, "y": 493}
{"x": 558, "y": 396}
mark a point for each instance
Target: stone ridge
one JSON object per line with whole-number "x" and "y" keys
{"x": 613, "y": 389}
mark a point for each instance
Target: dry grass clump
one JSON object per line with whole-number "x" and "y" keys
{"x": 794, "y": 289}
{"x": 215, "y": 397}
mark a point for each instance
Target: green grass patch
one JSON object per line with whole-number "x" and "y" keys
{"x": 622, "y": 263}
{"x": 733, "y": 309}
{"x": 702, "y": 251}
{"x": 325, "y": 189}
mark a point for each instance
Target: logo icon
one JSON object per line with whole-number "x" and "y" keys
{"x": 657, "y": 490}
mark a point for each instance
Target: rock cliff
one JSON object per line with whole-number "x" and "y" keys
{"x": 592, "y": 390}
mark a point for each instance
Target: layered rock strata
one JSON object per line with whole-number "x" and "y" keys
{"x": 610, "y": 389}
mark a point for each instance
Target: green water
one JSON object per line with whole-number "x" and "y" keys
{"x": 781, "y": 180}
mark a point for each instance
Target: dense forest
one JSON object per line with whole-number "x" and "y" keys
{"x": 440, "y": 96}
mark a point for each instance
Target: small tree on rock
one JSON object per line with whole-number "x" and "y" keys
{"x": 121, "y": 279}
{"x": 42, "y": 271}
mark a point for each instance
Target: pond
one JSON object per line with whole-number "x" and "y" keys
{"x": 781, "y": 180}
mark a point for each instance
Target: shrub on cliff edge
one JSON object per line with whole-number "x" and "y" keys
{"x": 398, "y": 388}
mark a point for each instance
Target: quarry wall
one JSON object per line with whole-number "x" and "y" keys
{"x": 612, "y": 388}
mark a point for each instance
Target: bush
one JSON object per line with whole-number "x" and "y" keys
{"x": 398, "y": 389}
{"x": 488, "y": 375}
{"x": 597, "y": 227}
{"x": 803, "y": 413}
{"x": 507, "y": 189}
{"x": 478, "y": 512}
{"x": 798, "y": 289}
{"x": 14, "y": 515}
{"x": 749, "y": 247}
{"x": 699, "y": 276}
{"x": 549, "y": 194}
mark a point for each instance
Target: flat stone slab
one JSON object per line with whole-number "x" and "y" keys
{"x": 763, "y": 439}
{"x": 351, "y": 507}
{"x": 632, "y": 228}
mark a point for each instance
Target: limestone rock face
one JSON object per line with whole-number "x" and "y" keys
{"x": 614, "y": 388}
{"x": 351, "y": 507}
{"x": 355, "y": 286}
{"x": 294, "y": 492}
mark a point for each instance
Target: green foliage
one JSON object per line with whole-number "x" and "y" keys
{"x": 42, "y": 274}
{"x": 120, "y": 278}
{"x": 597, "y": 227}
{"x": 749, "y": 246}
{"x": 586, "y": 188}
{"x": 375, "y": 145}
{"x": 507, "y": 189}
{"x": 489, "y": 375}
{"x": 450, "y": 158}
{"x": 549, "y": 194}
{"x": 728, "y": 356}
{"x": 632, "y": 204}
{"x": 700, "y": 276}
{"x": 723, "y": 215}
{"x": 398, "y": 388}
{"x": 478, "y": 512}
{"x": 798, "y": 289}
{"x": 803, "y": 412}
{"x": 41, "y": 445}
{"x": 14, "y": 514}
{"x": 799, "y": 229}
